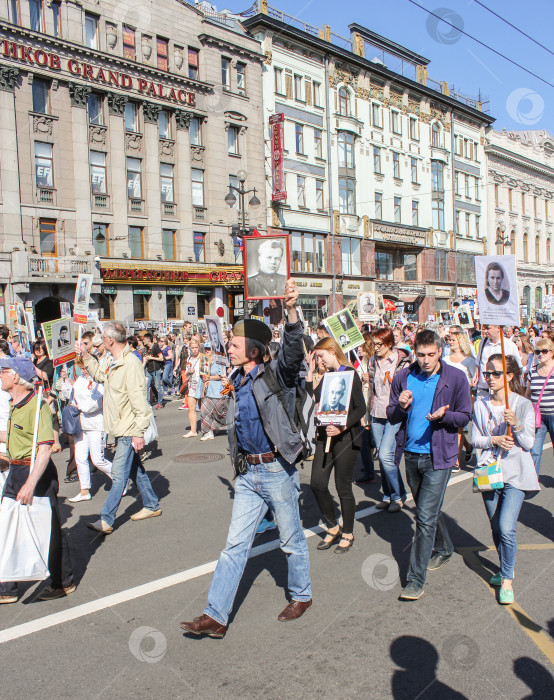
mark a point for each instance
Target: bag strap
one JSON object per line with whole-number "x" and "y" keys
{"x": 543, "y": 386}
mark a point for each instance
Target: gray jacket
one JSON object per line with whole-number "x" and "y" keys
{"x": 286, "y": 366}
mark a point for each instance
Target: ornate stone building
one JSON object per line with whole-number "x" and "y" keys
{"x": 121, "y": 127}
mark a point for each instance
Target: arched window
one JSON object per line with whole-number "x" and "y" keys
{"x": 344, "y": 102}
{"x": 538, "y": 249}
{"x": 527, "y": 296}
{"x": 548, "y": 251}
{"x": 525, "y": 247}
{"x": 513, "y": 242}
{"x": 436, "y": 135}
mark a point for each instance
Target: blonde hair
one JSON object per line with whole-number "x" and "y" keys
{"x": 465, "y": 346}
{"x": 331, "y": 345}
{"x": 544, "y": 343}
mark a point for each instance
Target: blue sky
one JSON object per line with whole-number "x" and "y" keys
{"x": 517, "y": 99}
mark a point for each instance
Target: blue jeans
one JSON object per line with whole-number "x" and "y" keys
{"x": 276, "y": 486}
{"x": 503, "y": 506}
{"x": 547, "y": 425}
{"x": 127, "y": 464}
{"x": 428, "y": 487}
{"x": 155, "y": 377}
{"x": 167, "y": 378}
{"x": 384, "y": 435}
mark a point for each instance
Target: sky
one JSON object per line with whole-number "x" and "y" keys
{"x": 518, "y": 100}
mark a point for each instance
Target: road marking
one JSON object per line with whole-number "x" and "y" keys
{"x": 530, "y": 627}
{"x": 110, "y": 601}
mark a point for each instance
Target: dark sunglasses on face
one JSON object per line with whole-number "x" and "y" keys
{"x": 496, "y": 373}
{"x": 542, "y": 351}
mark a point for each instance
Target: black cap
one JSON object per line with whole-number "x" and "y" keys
{"x": 250, "y": 328}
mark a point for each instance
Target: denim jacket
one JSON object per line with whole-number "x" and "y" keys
{"x": 286, "y": 366}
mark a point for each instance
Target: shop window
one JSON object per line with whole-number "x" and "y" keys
{"x": 199, "y": 246}
{"x": 351, "y": 256}
{"x": 168, "y": 244}
{"x": 241, "y": 78}
{"x": 197, "y": 179}
{"x": 195, "y": 131}
{"x": 134, "y": 185}
{"x": 226, "y": 72}
{"x": 166, "y": 182}
{"x": 173, "y": 306}
{"x": 41, "y": 94}
{"x": 162, "y": 52}
{"x": 131, "y": 117}
{"x": 410, "y": 267}
{"x": 97, "y": 172}
{"x": 164, "y": 124}
{"x": 36, "y": 15}
{"x": 347, "y": 203}
{"x": 129, "y": 44}
{"x": 47, "y": 233}
{"x": 440, "y": 266}
{"x": 383, "y": 266}
{"x": 100, "y": 240}
{"x": 136, "y": 241}
{"x": 140, "y": 306}
{"x": 193, "y": 56}
{"x": 91, "y": 31}
{"x": 203, "y": 298}
{"x": 44, "y": 171}
{"x": 94, "y": 108}
{"x": 106, "y": 306}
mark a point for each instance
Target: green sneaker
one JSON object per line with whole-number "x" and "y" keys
{"x": 505, "y": 596}
{"x": 496, "y": 580}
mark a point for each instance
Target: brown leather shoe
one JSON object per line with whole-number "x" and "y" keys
{"x": 294, "y": 610}
{"x": 205, "y": 625}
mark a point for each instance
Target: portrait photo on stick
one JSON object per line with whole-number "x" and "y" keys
{"x": 266, "y": 266}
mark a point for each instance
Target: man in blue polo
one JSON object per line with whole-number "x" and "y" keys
{"x": 431, "y": 400}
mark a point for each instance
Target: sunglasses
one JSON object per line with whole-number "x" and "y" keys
{"x": 542, "y": 351}
{"x": 496, "y": 374}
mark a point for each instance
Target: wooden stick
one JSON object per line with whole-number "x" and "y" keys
{"x": 328, "y": 445}
{"x": 509, "y": 430}
{"x": 35, "y": 431}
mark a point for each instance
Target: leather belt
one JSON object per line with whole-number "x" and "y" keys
{"x": 265, "y": 458}
{"x": 16, "y": 462}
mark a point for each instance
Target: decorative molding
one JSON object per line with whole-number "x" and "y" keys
{"x": 236, "y": 116}
{"x": 79, "y": 94}
{"x": 150, "y": 112}
{"x": 167, "y": 147}
{"x": 208, "y": 39}
{"x": 268, "y": 57}
{"x": 133, "y": 142}
{"x": 8, "y": 78}
{"x": 97, "y": 134}
{"x": 42, "y": 125}
{"x": 182, "y": 118}
{"x": 116, "y": 103}
{"x": 197, "y": 153}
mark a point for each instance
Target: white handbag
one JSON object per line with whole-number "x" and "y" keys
{"x": 151, "y": 432}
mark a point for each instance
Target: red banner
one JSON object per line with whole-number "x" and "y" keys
{"x": 279, "y": 193}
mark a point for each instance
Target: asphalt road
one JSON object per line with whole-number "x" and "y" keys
{"x": 118, "y": 635}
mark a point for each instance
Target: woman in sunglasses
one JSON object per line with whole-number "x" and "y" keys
{"x": 491, "y": 419}
{"x": 540, "y": 389}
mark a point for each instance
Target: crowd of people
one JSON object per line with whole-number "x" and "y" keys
{"x": 434, "y": 397}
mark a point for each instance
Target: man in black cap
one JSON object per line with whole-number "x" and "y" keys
{"x": 264, "y": 448}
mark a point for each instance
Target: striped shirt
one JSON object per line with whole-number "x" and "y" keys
{"x": 537, "y": 383}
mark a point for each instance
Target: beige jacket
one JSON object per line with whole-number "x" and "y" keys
{"x": 126, "y": 411}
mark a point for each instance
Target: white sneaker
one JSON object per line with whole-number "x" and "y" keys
{"x": 80, "y": 497}
{"x": 190, "y": 434}
{"x": 207, "y": 436}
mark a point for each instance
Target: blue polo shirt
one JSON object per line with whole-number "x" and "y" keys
{"x": 423, "y": 388}
{"x": 251, "y": 436}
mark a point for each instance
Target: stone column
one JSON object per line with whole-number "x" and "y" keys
{"x": 81, "y": 175}
{"x": 117, "y": 176}
{"x": 183, "y": 191}
{"x": 11, "y": 196}
{"x": 151, "y": 180}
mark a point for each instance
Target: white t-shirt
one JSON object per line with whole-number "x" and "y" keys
{"x": 488, "y": 348}
{"x": 468, "y": 365}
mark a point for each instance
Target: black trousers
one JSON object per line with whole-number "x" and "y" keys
{"x": 342, "y": 458}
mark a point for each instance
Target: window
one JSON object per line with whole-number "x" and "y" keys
{"x": 44, "y": 171}
{"x": 105, "y": 306}
{"x": 91, "y": 31}
{"x": 413, "y": 167}
{"x": 164, "y": 125}
{"x": 398, "y": 210}
{"x": 438, "y": 214}
{"x": 525, "y": 247}
{"x": 477, "y": 223}
{"x": 131, "y": 116}
{"x": 47, "y": 232}
{"x": 379, "y": 205}
{"x": 344, "y": 102}
{"x": 94, "y": 108}
{"x": 383, "y": 266}
{"x": 317, "y": 94}
{"x": 193, "y": 63}
{"x": 318, "y": 144}
{"x": 395, "y": 122}
{"x": 319, "y": 196}
{"x": 15, "y": 14}
{"x": 57, "y": 19}
{"x": 136, "y": 242}
{"x": 410, "y": 267}
{"x": 241, "y": 78}
{"x": 468, "y": 225}
{"x": 199, "y": 246}
{"x": 414, "y": 129}
{"x": 346, "y": 150}
{"x": 396, "y": 165}
{"x": 377, "y": 160}
{"x": 129, "y": 50}
{"x": 435, "y": 135}
{"x": 301, "y": 190}
{"x": 197, "y": 177}
{"x": 376, "y": 116}
{"x": 134, "y": 187}
{"x": 168, "y": 244}
{"x": 347, "y": 204}
{"x": 278, "y": 73}
{"x": 299, "y": 138}
{"x": 41, "y": 96}
{"x": 100, "y": 239}
{"x": 467, "y": 193}
{"x": 162, "y": 53}
{"x": 476, "y": 189}
{"x": 457, "y": 221}
{"x": 173, "y": 305}
{"x": 37, "y": 21}
{"x": 195, "y": 132}
{"x": 298, "y": 88}
{"x": 513, "y": 242}
{"x": 548, "y": 250}
{"x": 296, "y": 251}
{"x": 307, "y": 252}
{"x": 537, "y": 249}
{"x": 140, "y": 307}
{"x": 437, "y": 176}
{"x": 440, "y": 265}
{"x": 351, "y": 256}
{"x": 415, "y": 212}
{"x": 97, "y": 172}
{"x": 233, "y": 141}
{"x": 166, "y": 182}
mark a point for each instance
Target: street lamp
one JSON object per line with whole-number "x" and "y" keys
{"x": 503, "y": 240}
{"x": 231, "y": 200}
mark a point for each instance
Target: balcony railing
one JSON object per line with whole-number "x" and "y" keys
{"x": 45, "y": 195}
{"x": 200, "y": 213}
{"x": 136, "y": 206}
{"x": 100, "y": 201}
{"x": 64, "y": 267}
{"x": 168, "y": 208}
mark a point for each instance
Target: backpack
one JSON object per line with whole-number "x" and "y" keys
{"x": 302, "y": 422}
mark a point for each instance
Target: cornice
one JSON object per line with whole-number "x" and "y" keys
{"x": 514, "y": 158}
{"x": 210, "y": 39}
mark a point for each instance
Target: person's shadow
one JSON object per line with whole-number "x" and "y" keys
{"x": 395, "y": 528}
{"x": 537, "y": 518}
{"x": 417, "y": 676}
{"x": 536, "y": 676}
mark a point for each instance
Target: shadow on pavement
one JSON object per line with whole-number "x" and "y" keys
{"x": 535, "y": 676}
{"x": 537, "y": 518}
{"x": 394, "y": 528}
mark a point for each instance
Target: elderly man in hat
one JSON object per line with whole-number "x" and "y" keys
{"x": 264, "y": 449}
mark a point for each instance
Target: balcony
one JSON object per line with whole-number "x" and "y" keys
{"x": 200, "y": 213}
{"x": 101, "y": 201}
{"x": 169, "y": 208}
{"x": 46, "y": 195}
{"x": 38, "y": 266}
{"x": 136, "y": 206}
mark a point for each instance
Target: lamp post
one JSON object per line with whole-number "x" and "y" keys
{"x": 503, "y": 240}
{"x": 231, "y": 199}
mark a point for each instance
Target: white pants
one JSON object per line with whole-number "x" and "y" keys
{"x": 90, "y": 442}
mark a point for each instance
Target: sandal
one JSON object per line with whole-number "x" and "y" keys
{"x": 340, "y": 549}
{"x": 327, "y": 545}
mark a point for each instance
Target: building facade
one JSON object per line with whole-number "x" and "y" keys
{"x": 121, "y": 130}
{"x": 383, "y": 169}
{"x": 520, "y": 193}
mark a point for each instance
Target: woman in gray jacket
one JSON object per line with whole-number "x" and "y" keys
{"x": 491, "y": 419}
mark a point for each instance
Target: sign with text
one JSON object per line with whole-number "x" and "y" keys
{"x": 344, "y": 330}
{"x": 279, "y": 192}
{"x": 62, "y": 340}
